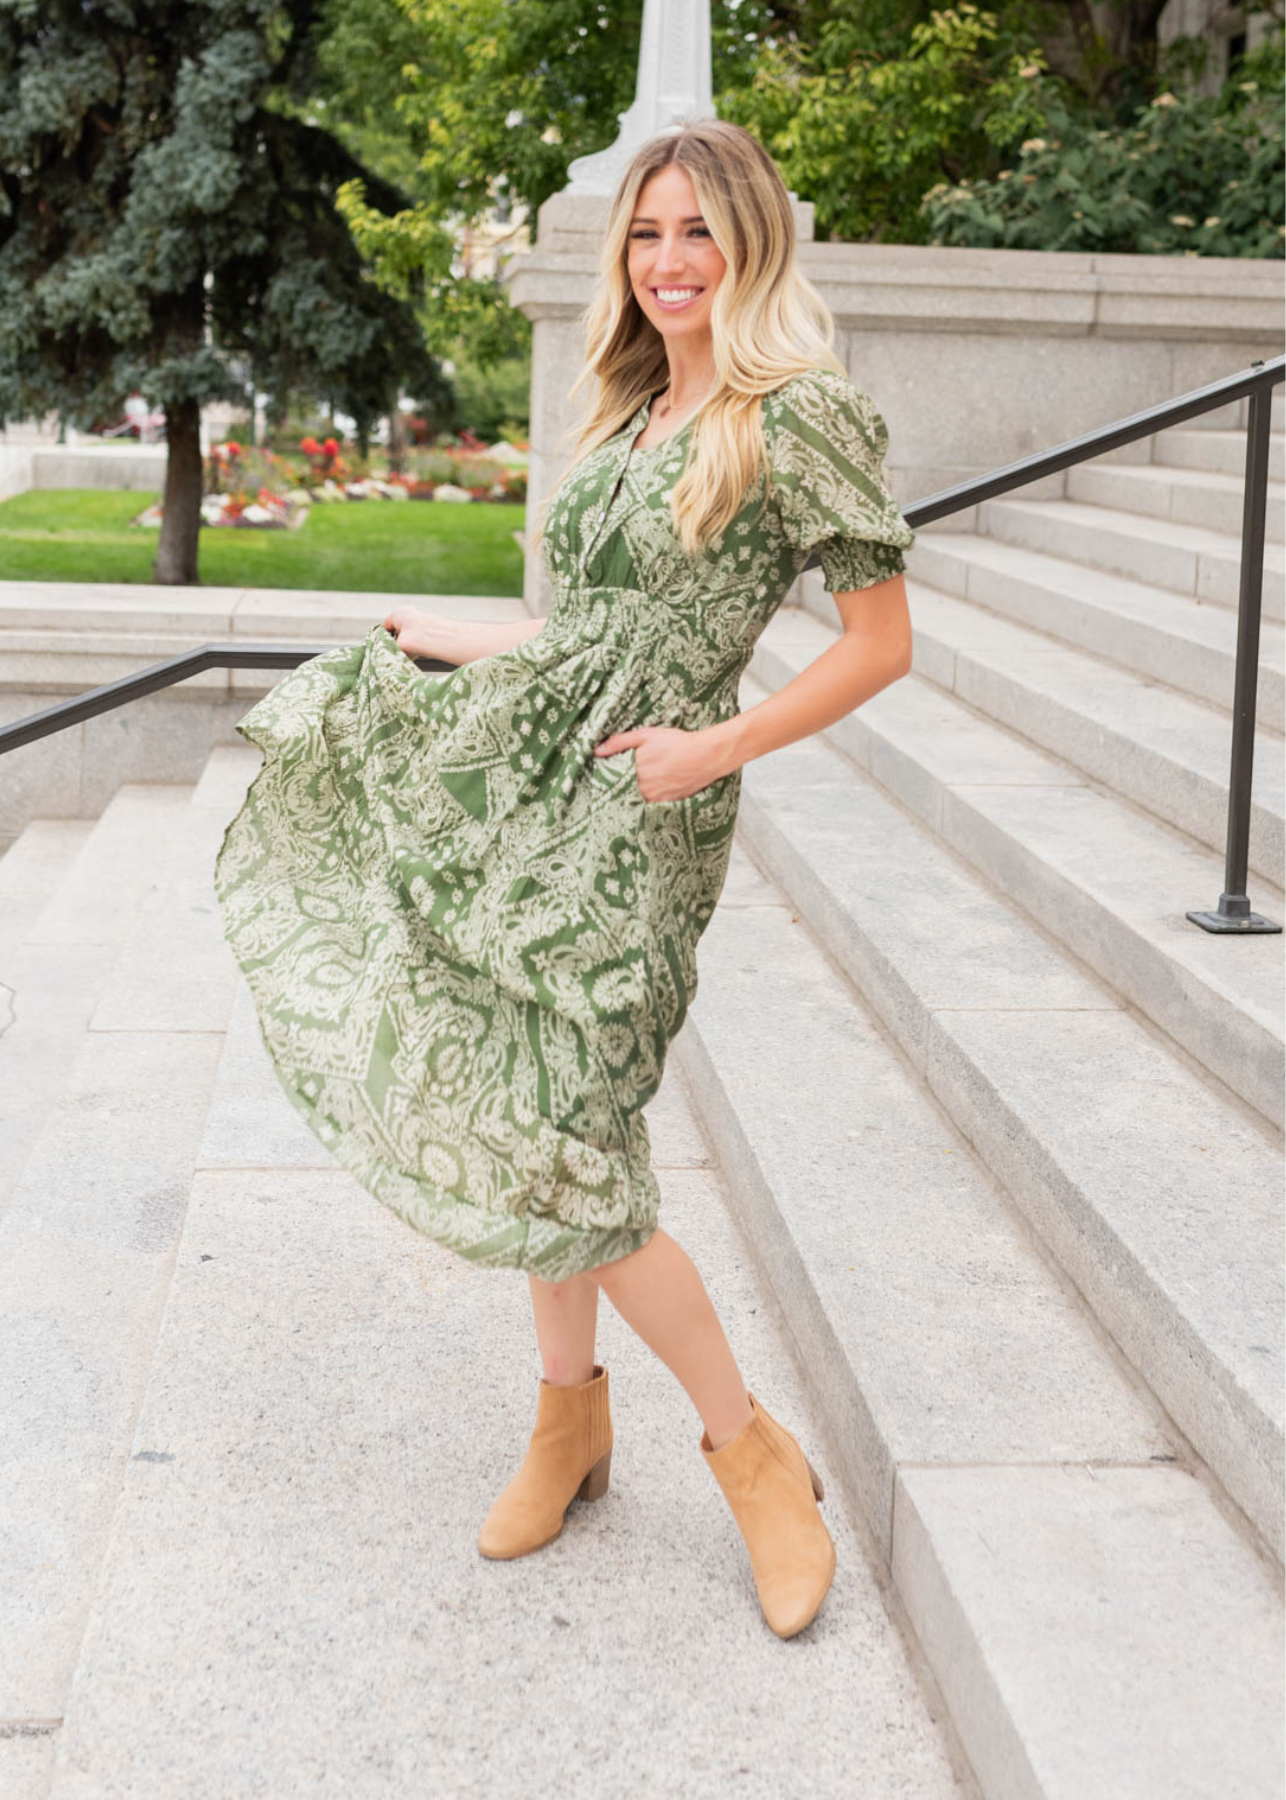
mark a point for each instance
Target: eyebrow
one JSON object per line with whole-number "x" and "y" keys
{"x": 695, "y": 219}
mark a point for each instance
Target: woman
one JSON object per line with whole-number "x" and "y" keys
{"x": 467, "y": 905}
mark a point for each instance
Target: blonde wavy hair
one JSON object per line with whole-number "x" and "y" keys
{"x": 768, "y": 322}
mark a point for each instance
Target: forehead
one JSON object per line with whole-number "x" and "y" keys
{"x": 668, "y": 192}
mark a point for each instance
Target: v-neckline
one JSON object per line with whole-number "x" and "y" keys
{"x": 628, "y": 434}
{"x": 646, "y": 411}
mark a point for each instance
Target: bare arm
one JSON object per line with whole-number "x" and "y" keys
{"x": 455, "y": 640}
{"x": 873, "y": 651}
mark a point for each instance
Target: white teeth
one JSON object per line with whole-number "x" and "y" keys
{"x": 670, "y": 294}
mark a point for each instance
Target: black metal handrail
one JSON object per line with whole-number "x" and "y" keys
{"x": 1233, "y": 912}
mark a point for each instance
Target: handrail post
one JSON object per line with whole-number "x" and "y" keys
{"x": 1234, "y": 911}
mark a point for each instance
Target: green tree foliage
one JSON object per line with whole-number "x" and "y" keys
{"x": 867, "y": 112}
{"x": 489, "y": 399}
{"x": 169, "y": 222}
{"x": 1196, "y": 175}
{"x": 863, "y": 117}
{"x": 471, "y": 102}
{"x": 484, "y": 88}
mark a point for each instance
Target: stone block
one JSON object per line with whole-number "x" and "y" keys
{"x": 1098, "y": 1633}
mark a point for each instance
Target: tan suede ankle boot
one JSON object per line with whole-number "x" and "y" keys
{"x": 568, "y": 1458}
{"x": 773, "y": 1491}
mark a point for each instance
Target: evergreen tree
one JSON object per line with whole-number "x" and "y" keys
{"x": 168, "y": 224}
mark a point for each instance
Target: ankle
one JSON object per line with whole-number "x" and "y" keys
{"x": 725, "y": 1429}
{"x": 567, "y": 1376}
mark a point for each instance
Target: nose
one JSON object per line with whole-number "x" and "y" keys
{"x": 669, "y": 257}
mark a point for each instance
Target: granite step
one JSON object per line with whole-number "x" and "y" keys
{"x": 1061, "y": 1554}
{"x": 88, "y": 1242}
{"x": 1202, "y": 496}
{"x": 58, "y": 957}
{"x": 30, "y": 870}
{"x": 1160, "y": 636}
{"x": 1161, "y": 749}
{"x": 1222, "y": 452}
{"x": 1186, "y": 559}
{"x": 1235, "y": 414}
{"x": 1160, "y": 1197}
{"x": 1106, "y": 879}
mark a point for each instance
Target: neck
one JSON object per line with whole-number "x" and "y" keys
{"x": 692, "y": 371}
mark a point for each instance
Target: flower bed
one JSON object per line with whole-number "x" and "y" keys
{"x": 261, "y": 489}
{"x": 246, "y": 490}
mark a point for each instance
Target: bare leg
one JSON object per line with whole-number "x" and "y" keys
{"x": 566, "y": 1314}
{"x": 660, "y": 1295}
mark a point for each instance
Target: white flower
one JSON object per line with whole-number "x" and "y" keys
{"x": 1181, "y": 219}
{"x": 1037, "y": 143}
{"x": 1165, "y": 100}
{"x": 1212, "y": 220}
{"x": 1028, "y": 70}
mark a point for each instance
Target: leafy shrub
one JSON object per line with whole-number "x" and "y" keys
{"x": 861, "y": 117}
{"x": 489, "y": 397}
{"x": 456, "y": 466}
{"x": 1197, "y": 175}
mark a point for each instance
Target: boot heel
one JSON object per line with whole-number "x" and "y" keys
{"x": 594, "y": 1485}
{"x": 816, "y": 1480}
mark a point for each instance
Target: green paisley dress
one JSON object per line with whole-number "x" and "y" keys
{"x": 469, "y": 940}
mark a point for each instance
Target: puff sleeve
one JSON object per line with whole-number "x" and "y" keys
{"x": 826, "y": 448}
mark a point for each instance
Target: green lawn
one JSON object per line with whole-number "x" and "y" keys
{"x": 370, "y": 546}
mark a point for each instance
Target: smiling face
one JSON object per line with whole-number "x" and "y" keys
{"x": 674, "y": 265}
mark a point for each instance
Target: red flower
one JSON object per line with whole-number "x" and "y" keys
{"x": 232, "y": 447}
{"x": 311, "y": 447}
{"x": 330, "y": 447}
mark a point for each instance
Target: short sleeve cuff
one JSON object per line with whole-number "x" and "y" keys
{"x": 850, "y": 563}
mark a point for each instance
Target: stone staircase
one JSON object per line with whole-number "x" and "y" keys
{"x": 251, "y": 1423}
{"x": 975, "y": 1137}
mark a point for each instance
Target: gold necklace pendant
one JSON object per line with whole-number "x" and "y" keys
{"x": 669, "y": 407}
